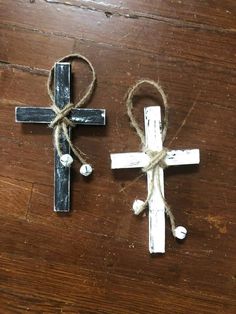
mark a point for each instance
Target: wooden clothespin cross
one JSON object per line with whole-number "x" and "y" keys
{"x": 83, "y": 116}
{"x": 153, "y": 139}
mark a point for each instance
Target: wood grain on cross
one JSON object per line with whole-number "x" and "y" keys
{"x": 82, "y": 116}
{"x": 153, "y": 139}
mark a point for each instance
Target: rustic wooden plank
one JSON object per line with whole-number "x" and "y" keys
{"x": 86, "y": 116}
{"x": 215, "y": 220}
{"x": 97, "y": 255}
{"x": 68, "y": 254}
{"x": 173, "y": 71}
{"x": 27, "y": 47}
{"x": 215, "y": 16}
{"x": 110, "y": 295}
{"x": 113, "y": 31}
{"x": 222, "y": 79}
{"x": 16, "y": 197}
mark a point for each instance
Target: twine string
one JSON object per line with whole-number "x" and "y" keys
{"x": 156, "y": 157}
{"x": 61, "y": 122}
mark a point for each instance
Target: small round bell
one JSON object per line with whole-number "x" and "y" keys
{"x": 180, "y": 232}
{"x": 66, "y": 160}
{"x": 86, "y": 170}
{"x": 138, "y": 207}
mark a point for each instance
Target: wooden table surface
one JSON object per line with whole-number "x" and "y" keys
{"x": 96, "y": 259}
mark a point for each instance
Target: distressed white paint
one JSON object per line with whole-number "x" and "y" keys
{"x": 153, "y": 139}
{"x": 140, "y": 160}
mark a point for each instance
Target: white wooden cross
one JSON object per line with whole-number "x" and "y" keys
{"x": 153, "y": 139}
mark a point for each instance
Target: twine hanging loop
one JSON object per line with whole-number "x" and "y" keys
{"x": 61, "y": 122}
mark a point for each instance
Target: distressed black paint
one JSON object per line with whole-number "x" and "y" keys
{"x": 46, "y": 115}
{"x": 61, "y": 173}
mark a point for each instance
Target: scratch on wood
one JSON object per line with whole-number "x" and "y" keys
{"x": 8, "y": 88}
{"x": 119, "y": 11}
{"x": 23, "y": 68}
{"x": 184, "y": 120}
{"x": 15, "y": 185}
{"x": 173, "y": 60}
{"x": 24, "y": 181}
{"x": 16, "y": 27}
{"x": 225, "y": 201}
{"x": 29, "y": 203}
{"x": 131, "y": 183}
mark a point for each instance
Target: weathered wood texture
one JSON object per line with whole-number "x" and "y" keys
{"x": 95, "y": 260}
{"x": 46, "y": 115}
{"x": 139, "y": 160}
{"x": 62, "y": 90}
{"x": 155, "y": 177}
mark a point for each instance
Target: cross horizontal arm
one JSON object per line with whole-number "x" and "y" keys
{"x": 140, "y": 160}
{"x": 46, "y": 115}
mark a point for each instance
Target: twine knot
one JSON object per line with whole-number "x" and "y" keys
{"x": 156, "y": 159}
{"x": 61, "y": 115}
{"x": 61, "y": 122}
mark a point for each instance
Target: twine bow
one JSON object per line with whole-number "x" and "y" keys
{"x": 61, "y": 122}
{"x": 156, "y": 157}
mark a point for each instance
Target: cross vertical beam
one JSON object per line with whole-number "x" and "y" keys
{"x": 62, "y": 174}
{"x": 153, "y": 139}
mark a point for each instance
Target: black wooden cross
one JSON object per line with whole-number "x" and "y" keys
{"x": 46, "y": 115}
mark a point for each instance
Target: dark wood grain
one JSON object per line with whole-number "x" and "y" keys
{"x": 95, "y": 260}
{"x": 212, "y": 15}
{"x": 203, "y": 45}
